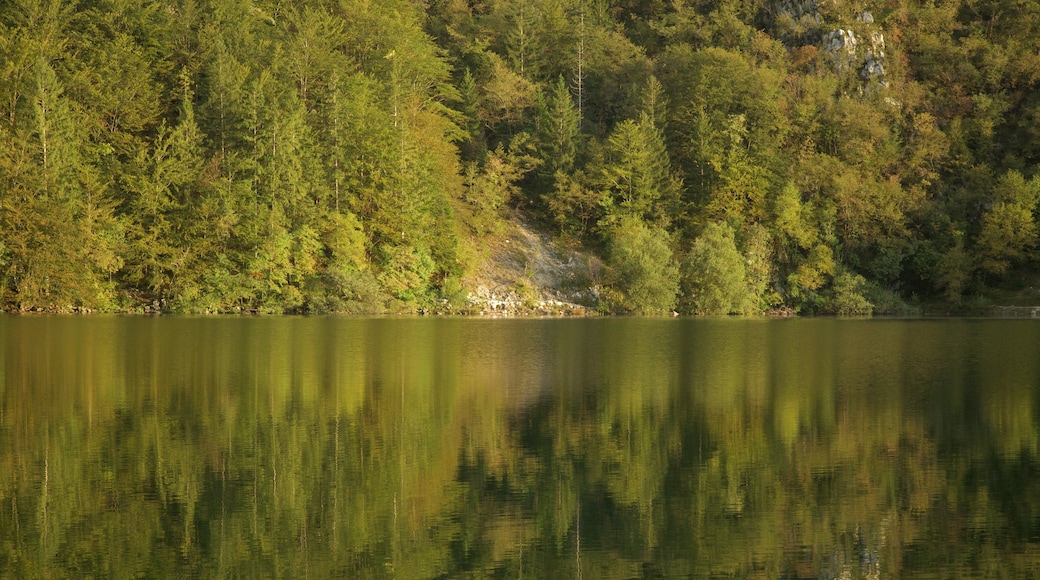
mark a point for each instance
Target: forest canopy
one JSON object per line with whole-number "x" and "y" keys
{"x": 734, "y": 156}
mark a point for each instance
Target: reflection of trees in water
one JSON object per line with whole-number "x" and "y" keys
{"x": 606, "y": 448}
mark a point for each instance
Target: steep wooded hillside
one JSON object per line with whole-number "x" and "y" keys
{"x": 345, "y": 155}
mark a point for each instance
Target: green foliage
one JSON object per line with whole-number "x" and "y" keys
{"x": 507, "y": 97}
{"x": 491, "y": 188}
{"x": 714, "y": 274}
{"x": 557, "y": 131}
{"x": 1009, "y": 229}
{"x": 757, "y": 245}
{"x": 954, "y": 271}
{"x": 636, "y": 172}
{"x": 846, "y": 296}
{"x": 343, "y": 281}
{"x": 642, "y": 268}
{"x": 887, "y": 302}
{"x": 812, "y": 273}
{"x": 198, "y": 157}
{"x": 348, "y": 292}
{"x": 407, "y": 273}
{"x": 793, "y": 219}
{"x": 739, "y": 191}
{"x": 574, "y": 206}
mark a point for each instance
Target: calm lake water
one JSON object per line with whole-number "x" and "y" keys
{"x": 599, "y": 448}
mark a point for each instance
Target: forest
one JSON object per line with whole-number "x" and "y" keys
{"x": 723, "y": 157}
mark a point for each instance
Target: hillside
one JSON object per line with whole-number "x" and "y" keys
{"x": 735, "y": 156}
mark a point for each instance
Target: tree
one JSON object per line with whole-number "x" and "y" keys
{"x": 714, "y": 274}
{"x": 506, "y": 99}
{"x": 654, "y": 103}
{"x": 574, "y": 206}
{"x": 56, "y": 218}
{"x": 725, "y": 130}
{"x": 642, "y": 268}
{"x": 520, "y": 40}
{"x": 953, "y": 270}
{"x": 636, "y": 172}
{"x": 812, "y": 274}
{"x": 557, "y": 131}
{"x": 1009, "y": 229}
{"x": 846, "y": 297}
{"x": 739, "y": 191}
{"x": 492, "y": 186}
{"x": 159, "y": 192}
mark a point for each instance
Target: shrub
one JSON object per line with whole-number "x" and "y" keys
{"x": 847, "y": 296}
{"x": 714, "y": 276}
{"x": 642, "y": 268}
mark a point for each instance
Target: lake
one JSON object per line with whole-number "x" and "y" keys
{"x": 591, "y": 448}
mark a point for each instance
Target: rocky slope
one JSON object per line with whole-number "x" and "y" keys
{"x": 524, "y": 272}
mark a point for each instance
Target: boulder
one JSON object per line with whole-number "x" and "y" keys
{"x": 837, "y": 40}
{"x": 873, "y": 69}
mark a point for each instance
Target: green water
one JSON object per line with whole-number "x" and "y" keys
{"x": 603, "y": 448}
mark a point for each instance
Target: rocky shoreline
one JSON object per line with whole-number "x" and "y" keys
{"x": 486, "y": 302}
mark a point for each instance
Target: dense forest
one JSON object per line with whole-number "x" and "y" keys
{"x": 734, "y": 156}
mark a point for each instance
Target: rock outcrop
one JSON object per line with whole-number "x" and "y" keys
{"x": 851, "y": 46}
{"x": 527, "y": 273}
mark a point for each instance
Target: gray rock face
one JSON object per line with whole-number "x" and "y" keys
{"x": 874, "y": 65}
{"x": 799, "y": 20}
{"x": 796, "y": 22}
{"x": 798, "y": 9}
{"x": 840, "y": 40}
{"x": 877, "y": 43}
{"x": 858, "y": 46}
{"x": 873, "y": 70}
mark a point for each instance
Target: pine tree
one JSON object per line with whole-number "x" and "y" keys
{"x": 636, "y": 172}
{"x": 557, "y": 133}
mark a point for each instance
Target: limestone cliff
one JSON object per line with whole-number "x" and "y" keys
{"x": 858, "y": 44}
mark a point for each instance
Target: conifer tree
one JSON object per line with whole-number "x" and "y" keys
{"x": 557, "y": 132}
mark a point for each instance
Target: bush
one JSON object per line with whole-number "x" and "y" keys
{"x": 714, "y": 276}
{"x": 847, "y": 296}
{"x": 642, "y": 268}
{"x": 406, "y": 273}
{"x": 888, "y": 302}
